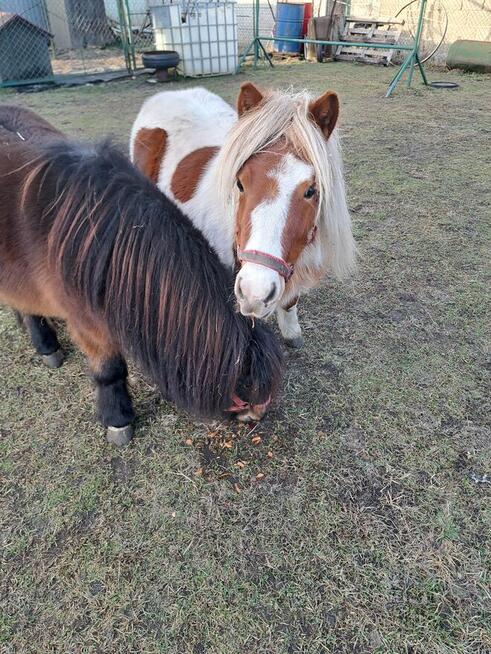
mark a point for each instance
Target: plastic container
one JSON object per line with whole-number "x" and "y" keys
{"x": 470, "y": 55}
{"x": 204, "y": 34}
{"x": 289, "y": 23}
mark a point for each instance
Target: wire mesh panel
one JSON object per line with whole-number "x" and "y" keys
{"x": 445, "y": 21}
{"x": 245, "y": 13}
{"x": 47, "y": 40}
{"x": 139, "y": 20}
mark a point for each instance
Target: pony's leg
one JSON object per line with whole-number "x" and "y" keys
{"x": 289, "y": 325}
{"x": 44, "y": 339}
{"x": 114, "y": 406}
{"x": 109, "y": 372}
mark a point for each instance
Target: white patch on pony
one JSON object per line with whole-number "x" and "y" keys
{"x": 288, "y": 323}
{"x": 268, "y": 221}
{"x": 193, "y": 118}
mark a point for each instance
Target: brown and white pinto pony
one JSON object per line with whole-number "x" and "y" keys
{"x": 86, "y": 238}
{"x": 263, "y": 184}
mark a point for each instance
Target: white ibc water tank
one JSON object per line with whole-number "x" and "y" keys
{"x": 203, "y": 33}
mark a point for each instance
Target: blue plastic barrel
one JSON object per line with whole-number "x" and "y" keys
{"x": 289, "y": 22}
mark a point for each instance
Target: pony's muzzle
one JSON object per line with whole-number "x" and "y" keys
{"x": 246, "y": 412}
{"x": 258, "y": 290}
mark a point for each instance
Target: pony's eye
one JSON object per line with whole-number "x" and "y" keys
{"x": 310, "y": 192}
{"x": 239, "y": 186}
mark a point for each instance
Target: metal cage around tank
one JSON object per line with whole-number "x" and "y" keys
{"x": 204, "y": 34}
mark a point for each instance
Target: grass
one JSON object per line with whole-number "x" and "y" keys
{"x": 370, "y": 529}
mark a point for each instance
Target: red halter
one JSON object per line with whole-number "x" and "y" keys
{"x": 239, "y": 405}
{"x": 282, "y": 267}
{"x": 268, "y": 261}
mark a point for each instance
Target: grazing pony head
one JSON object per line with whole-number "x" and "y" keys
{"x": 280, "y": 173}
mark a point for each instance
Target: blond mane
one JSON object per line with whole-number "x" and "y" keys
{"x": 286, "y": 114}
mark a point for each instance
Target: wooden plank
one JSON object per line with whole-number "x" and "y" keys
{"x": 377, "y": 21}
{"x": 364, "y": 30}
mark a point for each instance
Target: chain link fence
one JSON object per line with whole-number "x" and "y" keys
{"x": 53, "y": 40}
{"x": 50, "y": 40}
{"x": 445, "y": 21}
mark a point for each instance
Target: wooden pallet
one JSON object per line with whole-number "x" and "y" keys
{"x": 369, "y": 30}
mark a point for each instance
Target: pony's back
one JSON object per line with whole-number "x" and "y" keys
{"x": 26, "y": 125}
{"x": 134, "y": 259}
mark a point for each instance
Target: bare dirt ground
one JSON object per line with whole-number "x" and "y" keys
{"x": 88, "y": 60}
{"x": 369, "y": 529}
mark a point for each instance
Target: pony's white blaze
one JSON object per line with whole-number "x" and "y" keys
{"x": 258, "y": 289}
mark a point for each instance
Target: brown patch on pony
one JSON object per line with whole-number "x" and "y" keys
{"x": 299, "y": 224}
{"x": 149, "y": 151}
{"x": 189, "y": 170}
{"x": 26, "y": 125}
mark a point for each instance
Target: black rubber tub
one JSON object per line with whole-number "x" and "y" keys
{"x": 160, "y": 59}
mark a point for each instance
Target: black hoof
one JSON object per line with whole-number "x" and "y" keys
{"x": 54, "y": 360}
{"x": 295, "y": 343}
{"x": 119, "y": 435}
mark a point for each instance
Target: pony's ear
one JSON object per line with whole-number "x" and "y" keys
{"x": 325, "y": 111}
{"x": 249, "y": 96}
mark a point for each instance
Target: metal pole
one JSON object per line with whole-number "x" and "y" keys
{"x": 383, "y": 46}
{"x": 126, "y": 35}
{"x": 421, "y": 69}
{"x": 398, "y": 75}
{"x": 131, "y": 44}
{"x": 417, "y": 40}
{"x": 256, "y": 32}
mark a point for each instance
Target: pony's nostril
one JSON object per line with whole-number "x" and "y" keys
{"x": 239, "y": 291}
{"x": 271, "y": 294}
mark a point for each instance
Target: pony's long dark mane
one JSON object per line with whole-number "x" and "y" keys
{"x": 118, "y": 243}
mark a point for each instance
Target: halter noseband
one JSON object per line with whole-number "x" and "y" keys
{"x": 282, "y": 267}
{"x": 268, "y": 261}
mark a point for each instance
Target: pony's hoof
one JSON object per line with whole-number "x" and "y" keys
{"x": 295, "y": 343}
{"x": 54, "y": 360}
{"x": 119, "y": 435}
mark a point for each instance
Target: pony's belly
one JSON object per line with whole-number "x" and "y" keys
{"x": 28, "y": 299}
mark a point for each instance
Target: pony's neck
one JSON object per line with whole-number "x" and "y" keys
{"x": 216, "y": 221}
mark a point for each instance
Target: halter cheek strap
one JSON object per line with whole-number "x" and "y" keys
{"x": 268, "y": 261}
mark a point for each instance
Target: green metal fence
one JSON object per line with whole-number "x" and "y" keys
{"x": 412, "y": 59}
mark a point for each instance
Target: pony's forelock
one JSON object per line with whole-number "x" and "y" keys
{"x": 286, "y": 115}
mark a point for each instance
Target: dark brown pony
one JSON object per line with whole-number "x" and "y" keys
{"x": 86, "y": 238}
